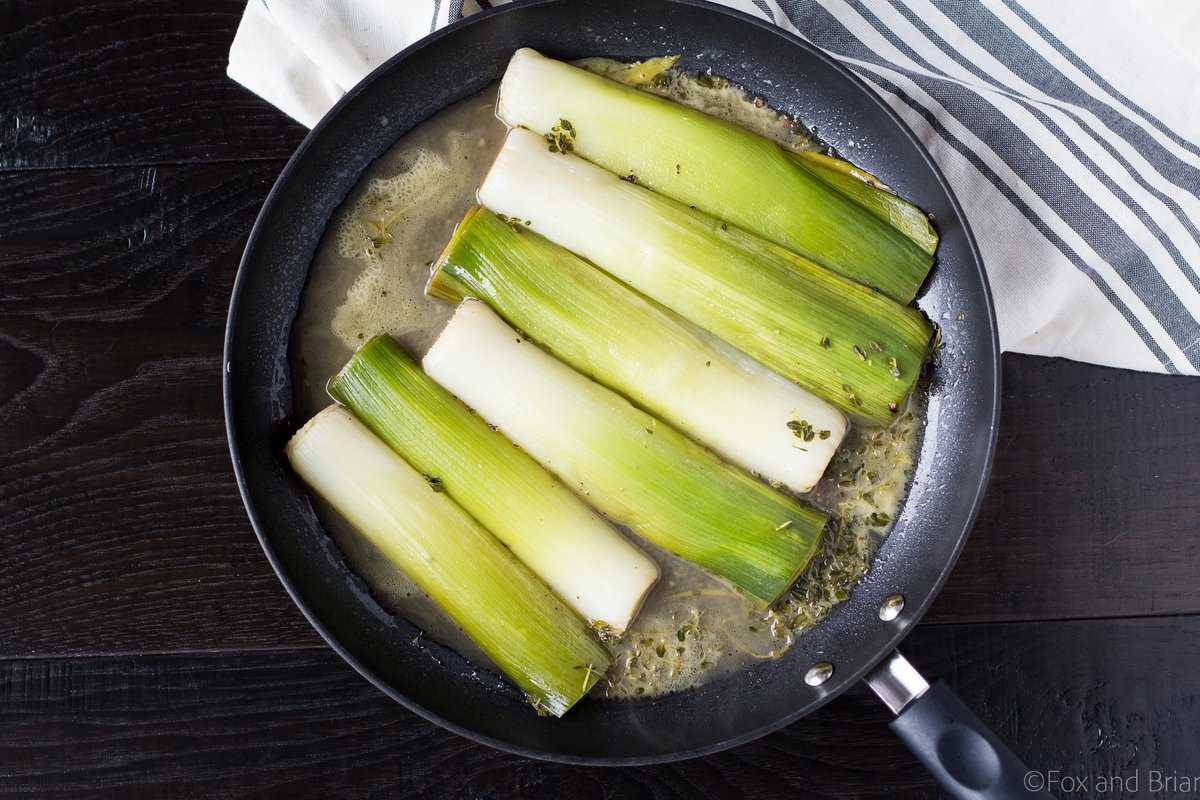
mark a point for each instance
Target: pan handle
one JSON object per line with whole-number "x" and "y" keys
{"x": 967, "y": 759}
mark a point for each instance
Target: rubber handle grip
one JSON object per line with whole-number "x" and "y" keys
{"x": 967, "y": 759}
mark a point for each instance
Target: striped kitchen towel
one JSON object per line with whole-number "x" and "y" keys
{"x": 1069, "y": 130}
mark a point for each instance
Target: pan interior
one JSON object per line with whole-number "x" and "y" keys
{"x": 436, "y": 682}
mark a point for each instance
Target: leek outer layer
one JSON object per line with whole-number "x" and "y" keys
{"x": 720, "y": 397}
{"x": 865, "y": 189}
{"x": 514, "y": 618}
{"x": 633, "y": 468}
{"x": 711, "y": 164}
{"x": 581, "y": 556}
{"x": 845, "y": 343}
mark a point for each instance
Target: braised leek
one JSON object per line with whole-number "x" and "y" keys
{"x": 514, "y": 618}
{"x": 683, "y": 375}
{"x": 711, "y": 164}
{"x": 847, "y": 344}
{"x": 633, "y": 468}
{"x": 581, "y": 556}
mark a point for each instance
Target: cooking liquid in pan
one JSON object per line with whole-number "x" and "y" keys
{"x": 368, "y": 277}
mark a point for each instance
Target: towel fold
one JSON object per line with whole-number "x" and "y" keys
{"x": 1069, "y": 130}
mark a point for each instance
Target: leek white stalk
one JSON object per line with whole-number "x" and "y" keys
{"x": 582, "y": 557}
{"x": 637, "y": 470}
{"x": 514, "y": 618}
{"x": 680, "y": 373}
{"x": 845, "y": 343}
{"x": 713, "y": 165}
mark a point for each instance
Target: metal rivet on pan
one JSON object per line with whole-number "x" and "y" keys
{"x": 891, "y": 607}
{"x": 818, "y": 673}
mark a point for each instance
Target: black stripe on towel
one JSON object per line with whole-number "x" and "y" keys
{"x": 992, "y": 34}
{"x": 1037, "y": 170}
{"x": 1052, "y": 127}
{"x": 1083, "y": 67}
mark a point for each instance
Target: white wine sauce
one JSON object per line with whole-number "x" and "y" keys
{"x": 368, "y": 277}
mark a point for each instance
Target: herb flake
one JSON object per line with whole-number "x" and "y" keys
{"x": 802, "y": 429}
{"x": 561, "y": 137}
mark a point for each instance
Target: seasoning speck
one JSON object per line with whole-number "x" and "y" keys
{"x": 561, "y": 137}
{"x": 802, "y": 429}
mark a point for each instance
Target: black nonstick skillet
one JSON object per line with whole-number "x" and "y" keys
{"x": 858, "y": 641}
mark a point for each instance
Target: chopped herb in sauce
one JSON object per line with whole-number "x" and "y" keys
{"x": 604, "y": 632}
{"x": 589, "y": 670}
{"x": 513, "y": 223}
{"x": 561, "y": 137}
{"x": 802, "y": 429}
{"x": 710, "y": 81}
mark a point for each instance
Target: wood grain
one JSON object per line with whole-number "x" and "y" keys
{"x": 1093, "y": 501}
{"x": 302, "y": 724}
{"x": 128, "y": 82}
{"x": 120, "y": 523}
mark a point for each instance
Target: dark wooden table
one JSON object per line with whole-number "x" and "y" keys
{"x": 146, "y": 648}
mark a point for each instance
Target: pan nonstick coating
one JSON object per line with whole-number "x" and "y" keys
{"x": 435, "y": 682}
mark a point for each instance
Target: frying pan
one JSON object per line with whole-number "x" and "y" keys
{"x": 856, "y": 640}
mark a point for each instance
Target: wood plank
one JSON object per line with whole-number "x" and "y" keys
{"x": 120, "y": 521}
{"x": 1070, "y": 696}
{"x": 1093, "y": 492}
{"x": 128, "y": 82}
{"x": 115, "y": 481}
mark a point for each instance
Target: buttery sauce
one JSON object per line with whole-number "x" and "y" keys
{"x": 367, "y": 278}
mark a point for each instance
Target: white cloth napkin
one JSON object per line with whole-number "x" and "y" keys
{"x": 1069, "y": 130}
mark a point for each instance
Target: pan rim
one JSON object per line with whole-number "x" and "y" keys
{"x": 252, "y": 244}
